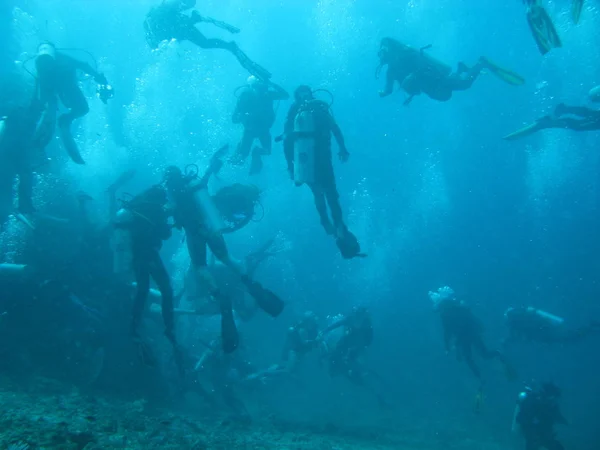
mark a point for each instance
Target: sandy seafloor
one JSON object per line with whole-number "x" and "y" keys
{"x": 48, "y": 415}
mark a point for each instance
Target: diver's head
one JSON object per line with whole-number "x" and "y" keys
{"x": 303, "y": 93}
{"x": 173, "y": 177}
{"x": 442, "y": 294}
{"x": 594, "y": 94}
{"x": 44, "y": 61}
{"x": 257, "y": 84}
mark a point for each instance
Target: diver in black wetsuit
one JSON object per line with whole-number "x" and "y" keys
{"x": 464, "y": 330}
{"x": 146, "y": 219}
{"x": 322, "y": 183}
{"x": 255, "y": 111}
{"x": 57, "y": 80}
{"x": 533, "y": 325}
{"x": 536, "y": 413}
{"x": 167, "y": 21}
{"x": 17, "y": 152}
{"x": 194, "y": 218}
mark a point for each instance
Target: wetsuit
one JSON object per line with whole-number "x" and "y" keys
{"x": 57, "y": 79}
{"x": 149, "y": 228}
{"x": 461, "y": 326}
{"x": 255, "y": 111}
{"x": 536, "y": 418}
{"x": 324, "y": 187}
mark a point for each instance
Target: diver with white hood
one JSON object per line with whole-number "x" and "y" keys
{"x": 463, "y": 331}
{"x": 535, "y": 325}
{"x": 57, "y": 80}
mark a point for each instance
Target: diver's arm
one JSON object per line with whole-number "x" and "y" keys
{"x": 86, "y": 68}
{"x": 389, "y": 84}
{"x": 277, "y": 92}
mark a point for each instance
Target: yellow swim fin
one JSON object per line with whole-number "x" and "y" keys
{"x": 576, "y": 8}
{"x": 508, "y": 76}
{"x": 543, "y": 30}
{"x": 540, "y": 124}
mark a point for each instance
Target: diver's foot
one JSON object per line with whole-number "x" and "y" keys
{"x": 256, "y": 165}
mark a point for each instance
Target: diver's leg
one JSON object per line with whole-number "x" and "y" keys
{"x": 142, "y": 278}
{"x": 163, "y": 282}
{"x": 333, "y": 200}
{"x": 194, "y": 35}
{"x": 72, "y": 98}
{"x": 266, "y": 141}
{"x": 320, "y": 203}
{"x": 468, "y": 356}
{"x": 243, "y": 148}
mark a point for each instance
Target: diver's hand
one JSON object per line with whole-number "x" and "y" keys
{"x": 343, "y": 155}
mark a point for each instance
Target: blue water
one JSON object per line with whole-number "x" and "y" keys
{"x": 431, "y": 191}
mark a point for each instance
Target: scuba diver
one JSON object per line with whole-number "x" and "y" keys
{"x": 57, "y": 79}
{"x": 167, "y": 21}
{"x": 301, "y": 339}
{"x": 541, "y": 26}
{"x": 144, "y": 220}
{"x": 344, "y": 343}
{"x": 534, "y": 325}
{"x": 417, "y": 73}
{"x": 576, "y": 118}
{"x": 535, "y": 415}
{"x": 255, "y": 111}
{"x": 463, "y": 331}
{"x": 195, "y": 212}
{"x": 17, "y": 153}
{"x": 307, "y": 147}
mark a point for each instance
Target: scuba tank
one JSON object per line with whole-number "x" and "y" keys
{"x": 550, "y": 318}
{"x": 520, "y": 399}
{"x": 122, "y": 243}
{"x": 12, "y": 271}
{"x": 213, "y": 221}
{"x": 304, "y": 147}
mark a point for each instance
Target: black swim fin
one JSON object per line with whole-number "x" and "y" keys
{"x": 265, "y": 299}
{"x": 70, "y": 145}
{"x": 543, "y": 30}
{"x": 576, "y": 8}
{"x": 348, "y": 245}
{"x": 230, "y": 338}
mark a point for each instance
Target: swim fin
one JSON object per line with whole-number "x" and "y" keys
{"x": 266, "y": 300}
{"x": 348, "y": 245}
{"x": 70, "y": 145}
{"x": 508, "y": 76}
{"x": 540, "y": 124}
{"x": 230, "y": 338}
{"x": 543, "y": 30}
{"x": 576, "y": 8}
